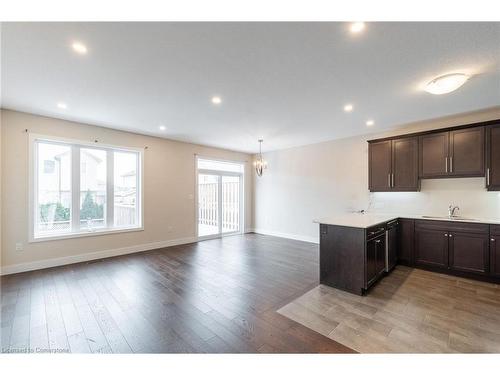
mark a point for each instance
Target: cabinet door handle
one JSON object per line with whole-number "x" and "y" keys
{"x": 377, "y": 241}
{"x": 446, "y": 163}
{"x": 446, "y": 234}
{"x": 389, "y": 180}
{"x": 392, "y": 179}
{"x": 487, "y": 177}
{"x": 451, "y": 235}
{"x": 492, "y": 240}
{"x": 451, "y": 163}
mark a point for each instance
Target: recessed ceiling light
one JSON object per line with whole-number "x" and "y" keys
{"x": 445, "y": 84}
{"x": 162, "y": 127}
{"x": 370, "y": 123}
{"x": 348, "y": 107}
{"x": 216, "y": 100}
{"x": 357, "y": 27}
{"x": 79, "y": 48}
{"x": 62, "y": 105}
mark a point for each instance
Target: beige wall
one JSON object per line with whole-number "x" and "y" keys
{"x": 169, "y": 188}
{"x": 319, "y": 180}
{"x": 1, "y": 209}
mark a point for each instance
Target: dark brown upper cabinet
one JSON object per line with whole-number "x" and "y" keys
{"x": 433, "y": 151}
{"x": 493, "y": 157}
{"x": 455, "y": 153}
{"x": 467, "y": 152}
{"x": 379, "y": 161}
{"x": 405, "y": 164}
{"x": 393, "y": 165}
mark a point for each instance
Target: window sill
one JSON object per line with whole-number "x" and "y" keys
{"x": 62, "y": 236}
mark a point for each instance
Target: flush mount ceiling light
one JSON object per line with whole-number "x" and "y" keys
{"x": 348, "y": 108}
{"x": 79, "y": 48}
{"x": 62, "y": 105}
{"x": 445, "y": 84}
{"x": 357, "y": 27}
{"x": 260, "y": 164}
{"x": 216, "y": 100}
{"x": 162, "y": 128}
{"x": 370, "y": 123}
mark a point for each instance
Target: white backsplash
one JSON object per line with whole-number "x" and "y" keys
{"x": 437, "y": 194}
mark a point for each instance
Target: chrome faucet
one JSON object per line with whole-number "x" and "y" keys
{"x": 451, "y": 210}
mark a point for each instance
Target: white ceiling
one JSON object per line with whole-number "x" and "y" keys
{"x": 284, "y": 82}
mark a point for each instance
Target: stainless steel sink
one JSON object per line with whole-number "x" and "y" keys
{"x": 459, "y": 218}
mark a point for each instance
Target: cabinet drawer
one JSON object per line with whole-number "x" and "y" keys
{"x": 495, "y": 230}
{"x": 453, "y": 226}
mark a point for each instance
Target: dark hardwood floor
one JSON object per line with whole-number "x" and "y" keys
{"x": 217, "y": 296}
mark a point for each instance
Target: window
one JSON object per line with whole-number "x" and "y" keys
{"x": 125, "y": 189}
{"x": 80, "y": 189}
{"x": 92, "y": 188}
{"x": 54, "y": 189}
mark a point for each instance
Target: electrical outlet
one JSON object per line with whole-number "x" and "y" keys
{"x": 19, "y": 246}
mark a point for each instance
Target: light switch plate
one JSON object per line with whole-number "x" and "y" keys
{"x": 19, "y": 246}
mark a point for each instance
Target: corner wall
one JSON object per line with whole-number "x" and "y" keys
{"x": 309, "y": 182}
{"x": 169, "y": 189}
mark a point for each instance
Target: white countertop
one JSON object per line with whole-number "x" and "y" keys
{"x": 356, "y": 220}
{"x": 359, "y": 220}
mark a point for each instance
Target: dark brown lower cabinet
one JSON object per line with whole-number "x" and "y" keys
{"x": 495, "y": 256}
{"x": 406, "y": 241}
{"x": 431, "y": 245}
{"x": 353, "y": 259}
{"x": 469, "y": 252}
{"x": 495, "y": 250}
{"x": 342, "y": 257}
{"x": 461, "y": 247}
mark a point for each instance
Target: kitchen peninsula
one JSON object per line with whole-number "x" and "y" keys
{"x": 358, "y": 249}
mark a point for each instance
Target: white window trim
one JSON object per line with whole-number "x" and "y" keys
{"x": 32, "y": 191}
{"x": 220, "y": 173}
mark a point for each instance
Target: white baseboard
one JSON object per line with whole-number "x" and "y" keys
{"x": 287, "y": 235}
{"x": 47, "y": 263}
{"x": 54, "y": 262}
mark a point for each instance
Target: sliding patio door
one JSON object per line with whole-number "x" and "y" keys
{"x": 219, "y": 198}
{"x": 230, "y": 203}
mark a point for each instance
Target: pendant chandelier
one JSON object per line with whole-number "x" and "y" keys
{"x": 260, "y": 164}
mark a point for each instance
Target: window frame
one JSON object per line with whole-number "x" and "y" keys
{"x": 75, "y": 146}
